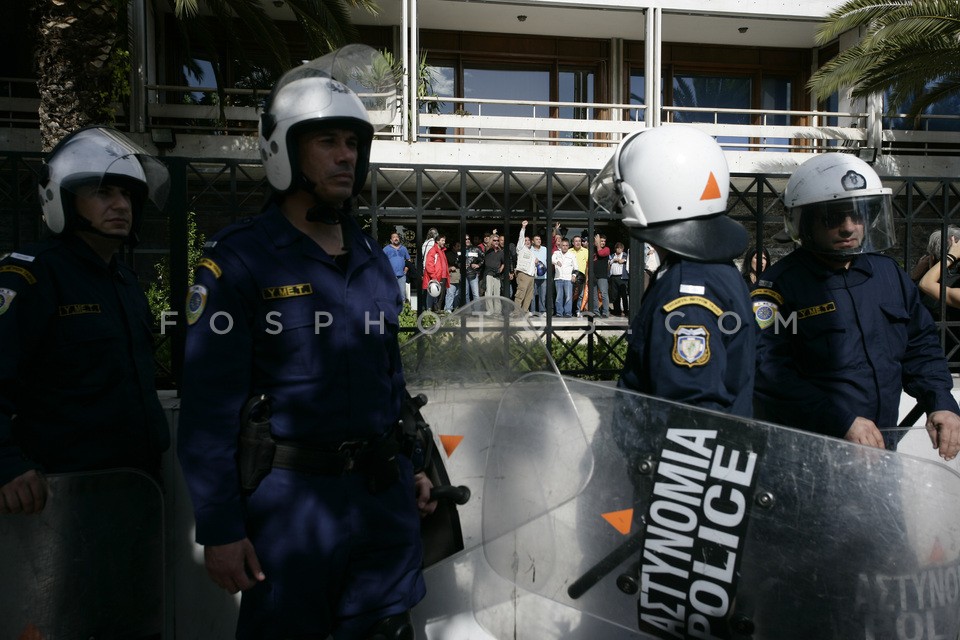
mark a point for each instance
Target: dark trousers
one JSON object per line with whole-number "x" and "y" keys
{"x": 619, "y": 294}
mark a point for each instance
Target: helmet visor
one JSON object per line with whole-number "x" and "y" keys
{"x": 361, "y": 69}
{"x": 862, "y": 224}
{"x": 100, "y": 156}
{"x": 604, "y": 188}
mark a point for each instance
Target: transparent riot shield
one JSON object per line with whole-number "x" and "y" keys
{"x": 462, "y": 364}
{"x": 638, "y": 517}
{"x": 90, "y": 565}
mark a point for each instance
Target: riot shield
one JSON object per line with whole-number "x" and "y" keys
{"x": 90, "y": 565}
{"x": 462, "y": 363}
{"x": 640, "y": 517}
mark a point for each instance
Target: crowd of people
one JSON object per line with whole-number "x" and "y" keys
{"x": 448, "y": 276}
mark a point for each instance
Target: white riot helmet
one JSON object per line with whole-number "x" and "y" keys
{"x": 433, "y": 288}
{"x": 671, "y": 185}
{"x": 351, "y": 88}
{"x": 828, "y": 189}
{"x": 95, "y": 156}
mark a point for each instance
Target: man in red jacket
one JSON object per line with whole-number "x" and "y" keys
{"x": 435, "y": 267}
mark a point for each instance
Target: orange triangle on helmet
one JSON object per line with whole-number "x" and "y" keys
{"x": 712, "y": 190}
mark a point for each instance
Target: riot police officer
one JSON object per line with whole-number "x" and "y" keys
{"x": 299, "y": 307}
{"x": 77, "y": 378}
{"x": 843, "y": 328}
{"x": 691, "y": 340}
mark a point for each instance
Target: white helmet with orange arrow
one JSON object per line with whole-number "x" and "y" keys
{"x": 671, "y": 185}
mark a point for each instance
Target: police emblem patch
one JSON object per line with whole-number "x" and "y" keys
{"x": 764, "y": 312}
{"x": 6, "y": 298}
{"x": 196, "y": 302}
{"x": 691, "y": 346}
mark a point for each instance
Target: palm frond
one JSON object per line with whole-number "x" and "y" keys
{"x": 326, "y": 22}
{"x": 914, "y": 27}
{"x": 186, "y": 8}
{"x": 909, "y": 50}
{"x": 855, "y": 14}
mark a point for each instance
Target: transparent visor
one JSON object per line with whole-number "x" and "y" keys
{"x": 99, "y": 157}
{"x": 604, "y": 188}
{"x": 361, "y": 69}
{"x": 862, "y": 224}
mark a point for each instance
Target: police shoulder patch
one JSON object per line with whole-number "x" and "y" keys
{"x": 764, "y": 312}
{"x": 6, "y": 299}
{"x": 196, "y": 302}
{"x": 691, "y": 346}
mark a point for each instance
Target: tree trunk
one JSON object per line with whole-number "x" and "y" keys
{"x": 75, "y": 78}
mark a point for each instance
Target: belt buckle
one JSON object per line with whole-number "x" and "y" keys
{"x": 349, "y": 450}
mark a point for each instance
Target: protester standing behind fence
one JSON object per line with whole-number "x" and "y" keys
{"x": 453, "y": 286}
{"x": 541, "y": 267}
{"x": 494, "y": 264}
{"x": 582, "y": 255}
{"x": 525, "y": 271}
{"x": 474, "y": 263}
{"x": 599, "y": 283}
{"x": 619, "y": 281}
{"x": 399, "y": 257}
{"x": 564, "y": 272}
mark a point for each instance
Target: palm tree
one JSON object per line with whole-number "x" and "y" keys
{"x": 74, "y": 64}
{"x": 910, "y": 48}
{"x": 79, "y": 40}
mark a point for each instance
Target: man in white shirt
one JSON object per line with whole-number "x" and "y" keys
{"x": 619, "y": 280}
{"x": 525, "y": 272}
{"x": 565, "y": 269}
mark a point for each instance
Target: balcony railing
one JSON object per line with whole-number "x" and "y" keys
{"x": 195, "y": 110}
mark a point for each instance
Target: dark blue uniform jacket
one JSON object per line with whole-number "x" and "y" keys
{"x": 270, "y": 312}
{"x": 77, "y": 377}
{"x": 693, "y": 340}
{"x": 860, "y": 336}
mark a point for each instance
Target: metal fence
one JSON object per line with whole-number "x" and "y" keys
{"x": 208, "y": 194}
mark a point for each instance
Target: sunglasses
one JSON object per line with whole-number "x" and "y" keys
{"x": 834, "y": 219}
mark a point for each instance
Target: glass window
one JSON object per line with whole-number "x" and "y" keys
{"x": 442, "y": 83}
{"x": 200, "y": 75}
{"x": 949, "y": 106}
{"x": 576, "y": 86}
{"x": 638, "y": 92}
{"x": 507, "y": 84}
{"x": 511, "y": 85}
{"x": 776, "y": 94}
{"x": 712, "y": 92}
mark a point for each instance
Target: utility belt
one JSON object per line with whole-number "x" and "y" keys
{"x": 258, "y": 453}
{"x": 360, "y": 456}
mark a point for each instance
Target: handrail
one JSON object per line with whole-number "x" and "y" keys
{"x": 538, "y": 122}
